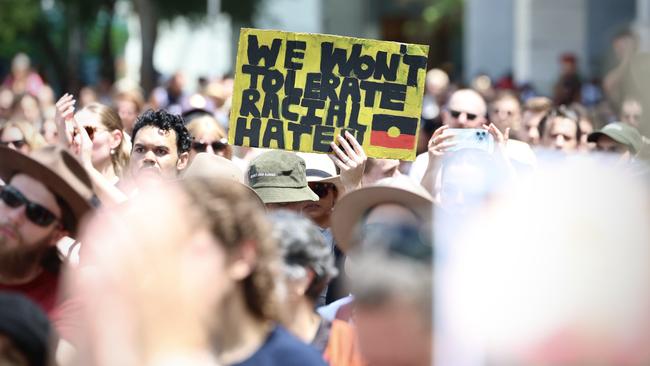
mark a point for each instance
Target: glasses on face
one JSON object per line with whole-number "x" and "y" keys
{"x": 90, "y": 130}
{"x": 321, "y": 189}
{"x": 456, "y": 114}
{"x": 217, "y": 146}
{"x": 36, "y": 213}
{"x": 17, "y": 144}
{"x": 400, "y": 239}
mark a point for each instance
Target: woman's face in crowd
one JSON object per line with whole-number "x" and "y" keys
{"x": 323, "y": 207}
{"x": 209, "y": 139}
{"x": 50, "y": 132}
{"x": 128, "y": 112}
{"x": 29, "y": 109}
{"x": 103, "y": 140}
{"x": 13, "y": 138}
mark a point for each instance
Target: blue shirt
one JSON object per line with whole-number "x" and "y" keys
{"x": 283, "y": 349}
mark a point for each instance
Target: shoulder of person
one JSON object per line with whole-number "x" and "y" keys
{"x": 288, "y": 350}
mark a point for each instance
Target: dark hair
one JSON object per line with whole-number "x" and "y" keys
{"x": 564, "y": 112}
{"x": 165, "y": 121}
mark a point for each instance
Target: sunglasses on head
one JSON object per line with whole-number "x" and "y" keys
{"x": 36, "y": 213}
{"x": 321, "y": 189}
{"x": 456, "y": 114}
{"x": 203, "y": 147}
{"x": 16, "y": 143}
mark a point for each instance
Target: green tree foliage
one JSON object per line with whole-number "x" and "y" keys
{"x": 17, "y": 16}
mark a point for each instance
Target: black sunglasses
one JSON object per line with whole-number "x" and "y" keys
{"x": 89, "y": 130}
{"x": 321, "y": 189}
{"x": 17, "y": 143}
{"x": 36, "y": 213}
{"x": 398, "y": 239}
{"x": 456, "y": 114}
{"x": 202, "y": 147}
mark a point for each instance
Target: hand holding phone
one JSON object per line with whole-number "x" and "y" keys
{"x": 470, "y": 138}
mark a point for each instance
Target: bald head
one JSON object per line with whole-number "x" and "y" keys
{"x": 466, "y": 109}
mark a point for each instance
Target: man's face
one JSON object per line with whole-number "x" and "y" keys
{"x": 22, "y": 241}
{"x": 530, "y": 121}
{"x": 466, "y": 109}
{"x": 393, "y": 333}
{"x": 608, "y": 145}
{"x": 154, "y": 153}
{"x": 505, "y": 113}
{"x": 631, "y": 113}
{"x": 562, "y": 135}
{"x": 321, "y": 209}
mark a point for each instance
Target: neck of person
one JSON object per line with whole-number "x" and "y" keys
{"x": 239, "y": 333}
{"x": 323, "y": 221}
{"x": 107, "y": 169}
{"x": 303, "y": 321}
{"x": 28, "y": 276}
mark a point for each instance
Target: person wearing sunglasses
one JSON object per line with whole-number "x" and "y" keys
{"x": 104, "y": 128}
{"x": 46, "y": 195}
{"x": 466, "y": 108}
{"x": 20, "y": 135}
{"x": 208, "y": 136}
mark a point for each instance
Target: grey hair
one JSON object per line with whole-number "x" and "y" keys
{"x": 303, "y": 247}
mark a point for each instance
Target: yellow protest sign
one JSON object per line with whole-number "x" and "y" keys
{"x": 297, "y": 91}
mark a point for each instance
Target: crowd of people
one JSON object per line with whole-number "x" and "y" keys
{"x": 132, "y": 233}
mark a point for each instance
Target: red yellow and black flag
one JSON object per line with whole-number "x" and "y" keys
{"x": 393, "y": 132}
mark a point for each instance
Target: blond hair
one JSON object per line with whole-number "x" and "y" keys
{"x": 111, "y": 120}
{"x": 31, "y": 136}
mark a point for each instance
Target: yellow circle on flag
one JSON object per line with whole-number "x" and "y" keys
{"x": 393, "y": 131}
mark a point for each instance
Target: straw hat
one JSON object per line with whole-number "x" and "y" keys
{"x": 350, "y": 209}
{"x": 59, "y": 171}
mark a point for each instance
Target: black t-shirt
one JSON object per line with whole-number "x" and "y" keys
{"x": 283, "y": 349}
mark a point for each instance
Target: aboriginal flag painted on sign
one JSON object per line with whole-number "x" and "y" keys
{"x": 405, "y": 139}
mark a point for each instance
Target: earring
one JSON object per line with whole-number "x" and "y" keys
{"x": 112, "y": 151}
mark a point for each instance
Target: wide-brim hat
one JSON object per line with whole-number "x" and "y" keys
{"x": 279, "y": 176}
{"x": 351, "y": 208}
{"x": 207, "y": 165}
{"x": 59, "y": 171}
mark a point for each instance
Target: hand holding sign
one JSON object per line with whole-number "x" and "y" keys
{"x": 351, "y": 161}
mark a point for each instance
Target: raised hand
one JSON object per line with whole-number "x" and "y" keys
{"x": 351, "y": 161}
{"x": 63, "y": 119}
{"x": 438, "y": 143}
{"x": 500, "y": 138}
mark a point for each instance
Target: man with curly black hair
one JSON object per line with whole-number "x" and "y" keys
{"x": 161, "y": 145}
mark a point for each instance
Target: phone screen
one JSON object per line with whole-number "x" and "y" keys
{"x": 471, "y": 138}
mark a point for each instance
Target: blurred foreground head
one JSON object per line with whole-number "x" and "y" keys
{"x": 385, "y": 230}
{"x": 557, "y": 274}
{"x": 161, "y": 269}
